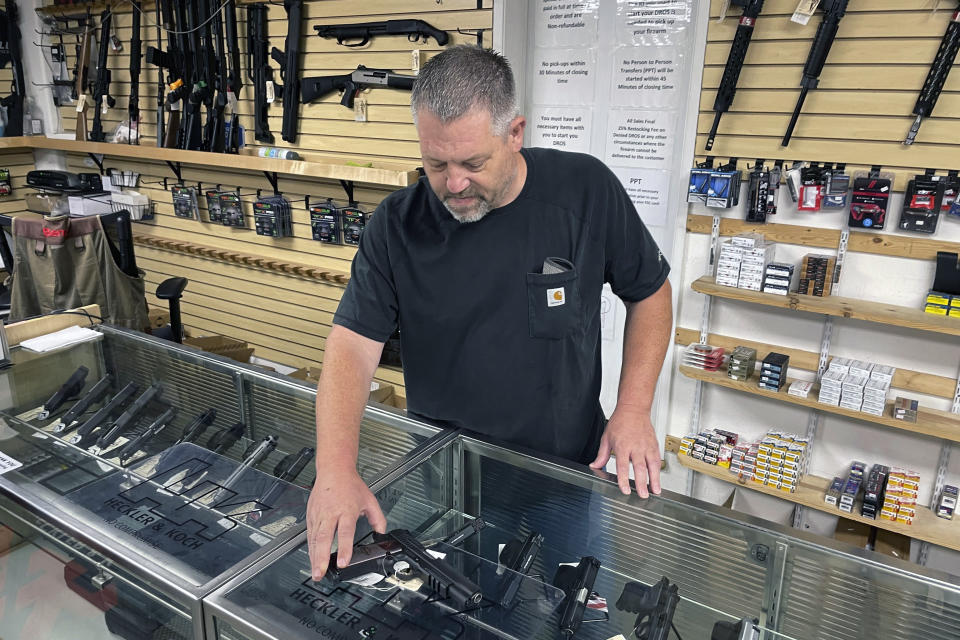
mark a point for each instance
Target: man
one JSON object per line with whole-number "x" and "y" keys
{"x": 493, "y": 268}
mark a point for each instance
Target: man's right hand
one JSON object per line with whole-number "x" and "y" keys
{"x": 338, "y": 499}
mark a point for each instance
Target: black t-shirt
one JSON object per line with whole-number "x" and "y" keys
{"x": 489, "y": 341}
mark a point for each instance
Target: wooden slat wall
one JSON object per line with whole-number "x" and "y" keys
{"x": 285, "y": 317}
{"x": 861, "y": 112}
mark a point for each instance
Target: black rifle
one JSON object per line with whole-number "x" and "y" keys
{"x": 235, "y": 81}
{"x": 216, "y": 121}
{"x": 731, "y": 73}
{"x": 937, "y": 76}
{"x": 161, "y": 85}
{"x": 133, "y": 107}
{"x": 351, "y": 83}
{"x": 833, "y": 11}
{"x": 172, "y": 61}
{"x": 67, "y": 390}
{"x": 259, "y": 69}
{"x": 10, "y": 53}
{"x": 191, "y": 131}
{"x": 210, "y": 51}
{"x": 101, "y": 88}
{"x": 71, "y": 419}
{"x": 413, "y": 29}
{"x": 289, "y": 61}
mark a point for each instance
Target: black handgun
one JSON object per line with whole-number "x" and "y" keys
{"x": 413, "y": 29}
{"x": 654, "y": 606}
{"x": 127, "y": 419}
{"x": 84, "y": 436}
{"x": 518, "y": 558}
{"x": 226, "y": 438}
{"x": 67, "y": 390}
{"x": 196, "y": 428}
{"x": 351, "y": 83}
{"x": 71, "y": 419}
{"x": 577, "y": 585}
{"x": 285, "y": 472}
{"x": 136, "y": 444}
{"x": 465, "y": 532}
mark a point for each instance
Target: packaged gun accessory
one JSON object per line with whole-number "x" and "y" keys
{"x": 271, "y": 216}
{"x": 185, "y": 202}
{"x": 231, "y": 209}
{"x": 353, "y": 219}
{"x": 5, "y": 186}
{"x": 921, "y": 204}
{"x": 699, "y": 182}
{"x": 871, "y": 197}
{"x": 836, "y": 189}
{"x": 759, "y": 193}
{"x": 811, "y": 188}
{"x": 794, "y": 181}
{"x": 325, "y": 222}
{"x": 213, "y": 206}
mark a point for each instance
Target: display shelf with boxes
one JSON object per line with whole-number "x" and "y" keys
{"x": 812, "y": 491}
{"x": 141, "y": 474}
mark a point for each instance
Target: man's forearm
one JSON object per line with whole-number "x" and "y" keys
{"x": 646, "y": 337}
{"x": 349, "y": 362}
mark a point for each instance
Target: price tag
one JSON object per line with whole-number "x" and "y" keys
{"x": 805, "y": 11}
{"x": 417, "y": 60}
{"x": 271, "y": 94}
{"x": 232, "y": 101}
{"x": 82, "y": 103}
{"x": 360, "y": 110}
{"x": 8, "y": 464}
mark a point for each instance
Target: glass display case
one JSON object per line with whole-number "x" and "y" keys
{"x": 163, "y": 472}
{"x": 726, "y": 566}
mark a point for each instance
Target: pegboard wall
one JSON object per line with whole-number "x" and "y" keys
{"x": 861, "y": 111}
{"x": 284, "y": 316}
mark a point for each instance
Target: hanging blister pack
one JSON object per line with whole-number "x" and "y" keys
{"x": 5, "y": 187}
{"x": 836, "y": 188}
{"x": 723, "y": 186}
{"x": 811, "y": 188}
{"x": 231, "y": 209}
{"x": 776, "y": 173}
{"x": 921, "y": 204}
{"x": 325, "y": 222}
{"x": 951, "y": 204}
{"x": 271, "y": 217}
{"x": 870, "y": 199}
{"x": 794, "y": 180}
{"x": 213, "y": 206}
{"x": 759, "y": 193}
{"x": 699, "y": 182}
{"x": 185, "y": 202}
{"x": 353, "y": 219}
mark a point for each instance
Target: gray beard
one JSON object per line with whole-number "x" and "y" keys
{"x": 483, "y": 208}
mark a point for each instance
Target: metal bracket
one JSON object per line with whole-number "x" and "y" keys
{"x": 177, "y": 170}
{"x": 97, "y": 160}
{"x": 274, "y": 181}
{"x": 942, "y": 464}
{"x": 773, "y": 591}
{"x": 348, "y": 188}
{"x": 478, "y": 33}
{"x": 841, "y": 255}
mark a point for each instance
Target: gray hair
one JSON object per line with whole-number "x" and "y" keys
{"x": 460, "y": 78}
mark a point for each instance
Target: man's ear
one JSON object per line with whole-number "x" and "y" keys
{"x": 515, "y": 133}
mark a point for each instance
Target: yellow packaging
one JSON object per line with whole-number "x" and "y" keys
{"x": 904, "y": 519}
{"x": 936, "y": 298}
{"x": 723, "y": 463}
{"x": 775, "y": 484}
{"x": 936, "y": 310}
{"x": 888, "y": 514}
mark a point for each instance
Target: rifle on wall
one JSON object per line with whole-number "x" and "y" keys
{"x": 937, "y": 76}
{"x": 350, "y": 84}
{"x": 81, "y": 77}
{"x": 415, "y": 30}
{"x": 289, "y": 61}
{"x": 216, "y": 120}
{"x": 833, "y": 11}
{"x": 731, "y": 73}
{"x": 235, "y": 78}
{"x": 101, "y": 88}
{"x": 259, "y": 69}
{"x": 10, "y": 54}
{"x": 133, "y": 107}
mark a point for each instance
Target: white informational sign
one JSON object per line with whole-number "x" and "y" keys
{"x": 646, "y": 77}
{"x": 565, "y": 128}
{"x": 649, "y": 190}
{"x": 8, "y": 464}
{"x": 564, "y": 76}
{"x": 565, "y": 22}
{"x": 640, "y": 139}
{"x": 653, "y": 22}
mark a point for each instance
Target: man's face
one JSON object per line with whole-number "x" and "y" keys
{"x": 469, "y": 168}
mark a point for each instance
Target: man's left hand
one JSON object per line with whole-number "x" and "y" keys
{"x": 630, "y": 438}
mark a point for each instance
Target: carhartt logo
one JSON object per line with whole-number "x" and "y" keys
{"x": 556, "y": 297}
{"x": 54, "y": 233}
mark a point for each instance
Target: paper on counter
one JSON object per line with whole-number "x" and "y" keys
{"x": 58, "y": 339}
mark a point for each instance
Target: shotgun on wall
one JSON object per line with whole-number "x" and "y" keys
{"x": 731, "y": 73}
{"x": 289, "y": 61}
{"x": 937, "y": 76}
{"x": 10, "y": 54}
{"x": 351, "y": 83}
{"x": 415, "y": 30}
{"x": 833, "y": 11}
{"x": 258, "y": 69}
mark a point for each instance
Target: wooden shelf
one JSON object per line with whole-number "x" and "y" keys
{"x": 810, "y": 491}
{"x": 930, "y": 422}
{"x": 837, "y": 306}
{"x": 328, "y": 168}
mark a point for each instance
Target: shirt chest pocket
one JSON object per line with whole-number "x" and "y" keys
{"x": 553, "y": 303}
